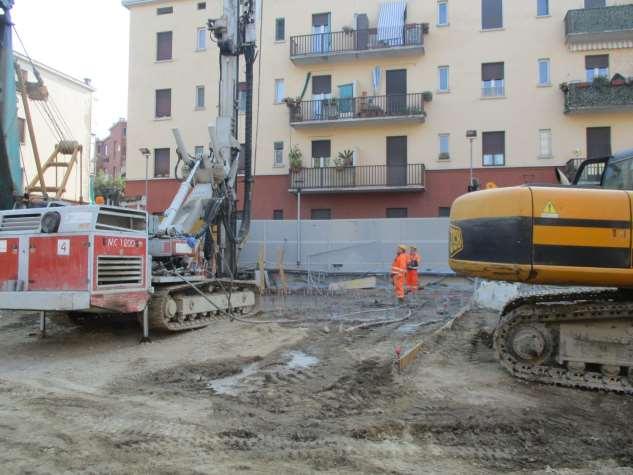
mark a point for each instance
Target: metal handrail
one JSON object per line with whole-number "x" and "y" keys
{"x": 391, "y": 105}
{"x": 320, "y": 44}
{"x": 365, "y": 176}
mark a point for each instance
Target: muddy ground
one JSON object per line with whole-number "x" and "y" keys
{"x": 299, "y": 398}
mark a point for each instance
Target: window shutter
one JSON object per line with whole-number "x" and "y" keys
{"x": 163, "y": 45}
{"x": 597, "y": 61}
{"x": 491, "y": 14}
{"x": 321, "y": 85}
{"x": 322, "y": 19}
{"x": 163, "y": 103}
{"x": 321, "y": 148}
{"x": 321, "y": 214}
{"x": 491, "y": 71}
{"x": 161, "y": 162}
{"x": 494, "y": 143}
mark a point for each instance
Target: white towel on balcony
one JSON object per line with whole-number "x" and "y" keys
{"x": 391, "y": 22}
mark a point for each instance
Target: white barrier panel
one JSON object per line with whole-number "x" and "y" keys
{"x": 348, "y": 246}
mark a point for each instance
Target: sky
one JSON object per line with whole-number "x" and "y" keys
{"x": 85, "y": 39}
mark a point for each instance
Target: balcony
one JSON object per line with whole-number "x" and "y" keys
{"x": 359, "y": 179}
{"x": 604, "y": 96}
{"x": 352, "y": 44}
{"x": 609, "y": 27}
{"x": 351, "y": 111}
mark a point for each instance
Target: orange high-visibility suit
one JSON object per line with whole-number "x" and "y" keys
{"x": 413, "y": 263}
{"x": 398, "y": 273}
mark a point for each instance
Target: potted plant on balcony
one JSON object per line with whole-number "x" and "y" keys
{"x": 294, "y": 106}
{"x": 345, "y": 159}
{"x": 295, "y": 159}
{"x": 601, "y": 82}
{"x": 427, "y": 96}
{"x": 348, "y": 30}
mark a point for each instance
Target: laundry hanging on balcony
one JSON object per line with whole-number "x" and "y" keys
{"x": 376, "y": 74}
{"x": 391, "y": 22}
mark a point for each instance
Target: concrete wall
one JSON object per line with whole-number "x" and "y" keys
{"x": 355, "y": 245}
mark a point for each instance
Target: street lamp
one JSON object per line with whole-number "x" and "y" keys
{"x": 146, "y": 153}
{"x": 298, "y": 182}
{"x": 471, "y": 135}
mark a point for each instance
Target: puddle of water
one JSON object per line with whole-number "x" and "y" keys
{"x": 230, "y": 384}
{"x": 300, "y": 360}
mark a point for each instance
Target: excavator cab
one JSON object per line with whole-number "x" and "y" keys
{"x": 609, "y": 173}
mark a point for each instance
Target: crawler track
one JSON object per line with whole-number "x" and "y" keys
{"x": 545, "y": 314}
{"x": 163, "y": 318}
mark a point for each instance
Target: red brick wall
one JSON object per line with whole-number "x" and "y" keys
{"x": 271, "y": 193}
{"x": 113, "y": 163}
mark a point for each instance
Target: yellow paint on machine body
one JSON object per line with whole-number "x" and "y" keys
{"x": 544, "y": 235}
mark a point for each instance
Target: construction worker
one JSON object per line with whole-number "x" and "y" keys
{"x": 399, "y": 272}
{"x": 413, "y": 263}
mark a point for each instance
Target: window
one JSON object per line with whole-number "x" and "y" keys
{"x": 22, "y": 130}
{"x": 199, "y": 97}
{"x": 597, "y": 66}
{"x": 444, "y": 211}
{"x": 280, "y": 91}
{"x": 163, "y": 103}
{"x": 442, "y": 13}
{"x": 202, "y": 5}
{"x": 494, "y": 144}
{"x": 201, "y": 39}
{"x": 324, "y": 213}
{"x": 542, "y": 7}
{"x": 492, "y": 80}
{"x": 595, "y": 3}
{"x": 280, "y": 29}
{"x": 278, "y": 214}
{"x": 443, "y": 79}
{"x": 278, "y": 150}
{"x": 545, "y": 143}
{"x": 242, "y": 97}
{"x": 124, "y": 131}
{"x": 198, "y": 151}
{"x": 321, "y": 151}
{"x": 544, "y": 72}
{"x": 164, "y": 10}
{"x": 161, "y": 162}
{"x": 397, "y": 212}
{"x": 491, "y": 14}
{"x": 163, "y": 46}
{"x": 444, "y": 146}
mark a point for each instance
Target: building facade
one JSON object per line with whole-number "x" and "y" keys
{"x": 111, "y": 151}
{"x": 364, "y": 105}
{"x": 67, "y": 114}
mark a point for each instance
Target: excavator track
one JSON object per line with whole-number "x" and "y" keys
{"x": 181, "y": 307}
{"x": 530, "y": 333}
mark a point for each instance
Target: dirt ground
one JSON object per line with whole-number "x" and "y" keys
{"x": 299, "y": 398}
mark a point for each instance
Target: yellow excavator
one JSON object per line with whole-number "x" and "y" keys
{"x": 576, "y": 235}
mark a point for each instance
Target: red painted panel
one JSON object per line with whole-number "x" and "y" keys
{"x": 120, "y": 245}
{"x": 122, "y": 302}
{"x": 58, "y": 263}
{"x": 9, "y": 252}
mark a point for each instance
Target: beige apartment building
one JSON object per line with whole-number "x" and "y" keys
{"x": 377, "y": 97}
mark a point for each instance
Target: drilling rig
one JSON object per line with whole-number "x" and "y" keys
{"x": 92, "y": 260}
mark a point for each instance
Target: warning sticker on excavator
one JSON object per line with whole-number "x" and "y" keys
{"x": 549, "y": 211}
{"x": 456, "y": 241}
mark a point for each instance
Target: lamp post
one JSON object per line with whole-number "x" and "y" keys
{"x": 146, "y": 153}
{"x": 471, "y": 135}
{"x": 298, "y": 183}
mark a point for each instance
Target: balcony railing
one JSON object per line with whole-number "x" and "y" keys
{"x": 358, "y": 109}
{"x": 305, "y": 48}
{"x": 365, "y": 178}
{"x": 614, "y": 23}
{"x": 589, "y": 97}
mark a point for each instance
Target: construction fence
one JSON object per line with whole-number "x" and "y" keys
{"x": 354, "y": 246}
